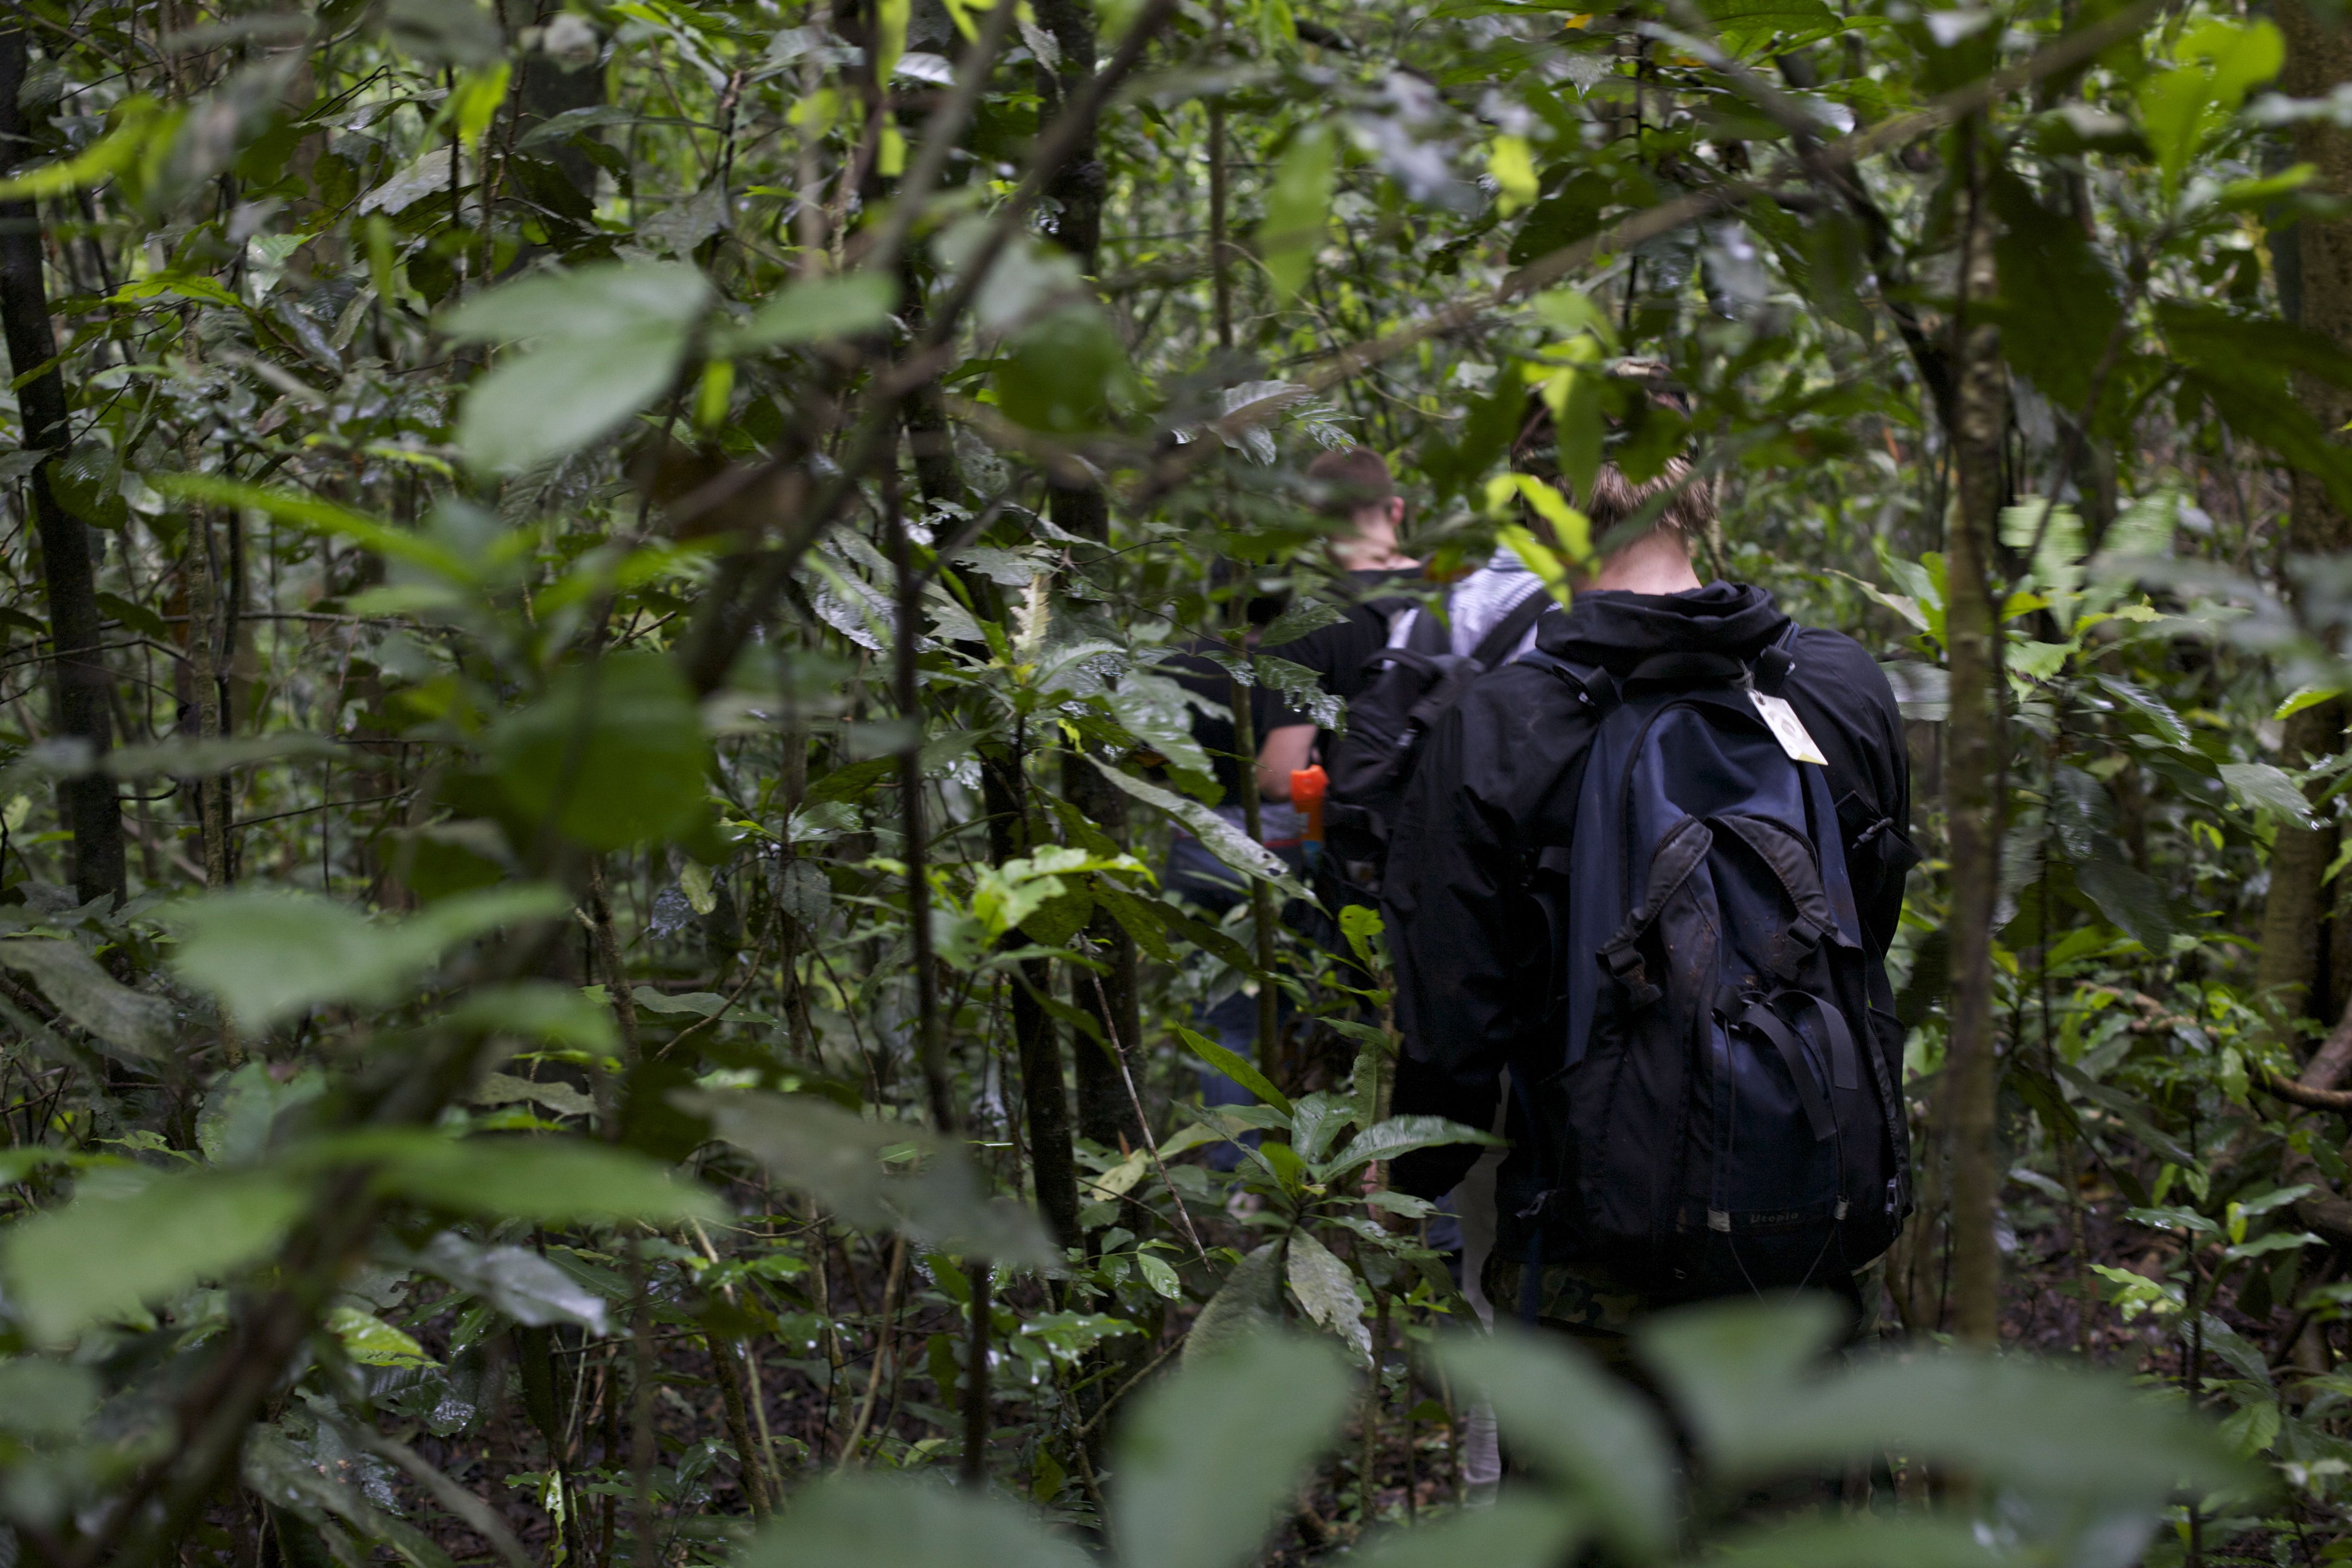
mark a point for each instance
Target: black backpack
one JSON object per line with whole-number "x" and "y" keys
{"x": 1724, "y": 1101}
{"x": 1406, "y": 690}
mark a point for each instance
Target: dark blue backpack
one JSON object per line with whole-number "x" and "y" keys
{"x": 1724, "y": 1102}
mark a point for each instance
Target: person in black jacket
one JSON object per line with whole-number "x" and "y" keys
{"x": 1479, "y": 987}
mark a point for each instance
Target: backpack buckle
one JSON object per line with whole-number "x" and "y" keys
{"x": 1628, "y": 969}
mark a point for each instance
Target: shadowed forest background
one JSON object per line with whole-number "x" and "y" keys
{"x": 587, "y": 746}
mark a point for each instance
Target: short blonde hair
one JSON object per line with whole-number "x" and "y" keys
{"x": 1689, "y": 502}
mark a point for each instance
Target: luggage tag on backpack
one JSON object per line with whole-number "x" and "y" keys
{"x": 1787, "y": 727}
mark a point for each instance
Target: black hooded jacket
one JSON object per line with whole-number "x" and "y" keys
{"x": 1478, "y": 985}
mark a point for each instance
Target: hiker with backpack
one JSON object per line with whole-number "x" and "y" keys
{"x": 1643, "y": 879}
{"x": 1356, "y": 494}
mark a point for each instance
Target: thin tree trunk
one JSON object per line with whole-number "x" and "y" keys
{"x": 205, "y": 677}
{"x": 931, "y": 1039}
{"x": 1973, "y": 776}
{"x": 1044, "y": 1093}
{"x": 2294, "y": 911}
{"x": 1077, "y": 189}
{"x": 89, "y": 805}
{"x": 973, "y": 1471}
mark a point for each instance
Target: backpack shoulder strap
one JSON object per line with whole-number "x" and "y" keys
{"x": 1505, "y": 634}
{"x": 1428, "y": 634}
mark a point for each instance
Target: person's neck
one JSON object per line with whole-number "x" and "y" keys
{"x": 1657, "y": 565}
{"x": 1371, "y": 550}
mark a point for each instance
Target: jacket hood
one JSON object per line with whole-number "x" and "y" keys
{"x": 1617, "y": 630}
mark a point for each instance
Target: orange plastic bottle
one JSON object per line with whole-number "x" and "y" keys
{"x": 1307, "y": 795}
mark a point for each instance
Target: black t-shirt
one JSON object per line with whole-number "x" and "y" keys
{"x": 1213, "y": 730}
{"x": 1336, "y": 652}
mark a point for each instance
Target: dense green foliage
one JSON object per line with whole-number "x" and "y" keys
{"x": 611, "y": 753}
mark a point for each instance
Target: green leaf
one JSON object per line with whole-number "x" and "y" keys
{"x": 1740, "y": 1373}
{"x": 46, "y": 1399}
{"x": 2127, "y": 896}
{"x": 269, "y": 955}
{"x": 133, "y": 1022}
{"x": 820, "y": 310}
{"x": 1220, "y": 838}
{"x": 544, "y": 1180}
{"x": 371, "y": 1341}
{"x": 2058, "y": 303}
{"x": 2260, "y": 787}
{"x": 1327, "y": 1292}
{"x": 1206, "y": 1457}
{"x": 1578, "y": 1424}
{"x": 111, "y": 1250}
{"x": 242, "y": 1111}
{"x": 867, "y": 1520}
{"x": 318, "y": 517}
{"x": 1298, "y": 208}
{"x": 1400, "y": 1135}
{"x": 1299, "y": 618}
{"x": 141, "y": 123}
{"x": 837, "y": 1158}
{"x": 605, "y": 341}
{"x": 516, "y": 1280}
{"x": 540, "y": 1009}
{"x": 614, "y": 752}
{"x": 1859, "y": 1543}
{"x": 1248, "y": 1303}
{"x": 2304, "y": 696}
{"x": 1234, "y": 1066}
{"x": 1522, "y": 1527}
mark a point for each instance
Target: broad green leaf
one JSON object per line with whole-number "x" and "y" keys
{"x": 1522, "y": 1527}
{"x": 820, "y": 310}
{"x": 837, "y": 1157}
{"x": 1065, "y": 372}
{"x": 269, "y": 955}
{"x": 614, "y": 752}
{"x": 320, "y": 517}
{"x": 371, "y": 1341}
{"x": 1248, "y": 1303}
{"x": 604, "y": 342}
{"x": 1299, "y": 618}
{"x": 1205, "y": 1457}
{"x": 2219, "y": 62}
{"x": 46, "y": 1399}
{"x": 2127, "y": 896}
{"x": 1861, "y": 1542}
{"x": 242, "y": 1108}
{"x": 516, "y": 1280}
{"x": 540, "y": 1009}
{"x": 199, "y": 758}
{"x": 1579, "y": 1426}
{"x": 1326, "y": 1291}
{"x": 544, "y": 1180}
{"x": 111, "y": 1251}
{"x": 2304, "y": 696}
{"x": 860, "y": 1520}
{"x": 1298, "y": 208}
{"x": 1400, "y": 1135}
{"x": 1753, "y": 1382}
{"x": 1220, "y": 838}
{"x": 131, "y": 1022}
{"x": 2262, "y": 786}
{"x": 141, "y": 123}
{"x": 1234, "y": 1066}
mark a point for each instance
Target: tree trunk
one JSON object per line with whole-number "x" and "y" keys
{"x": 1044, "y": 1092}
{"x": 1104, "y": 1113}
{"x": 1973, "y": 776}
{"x": 91, "y": 810}
{"x": 2294, "y": 913}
